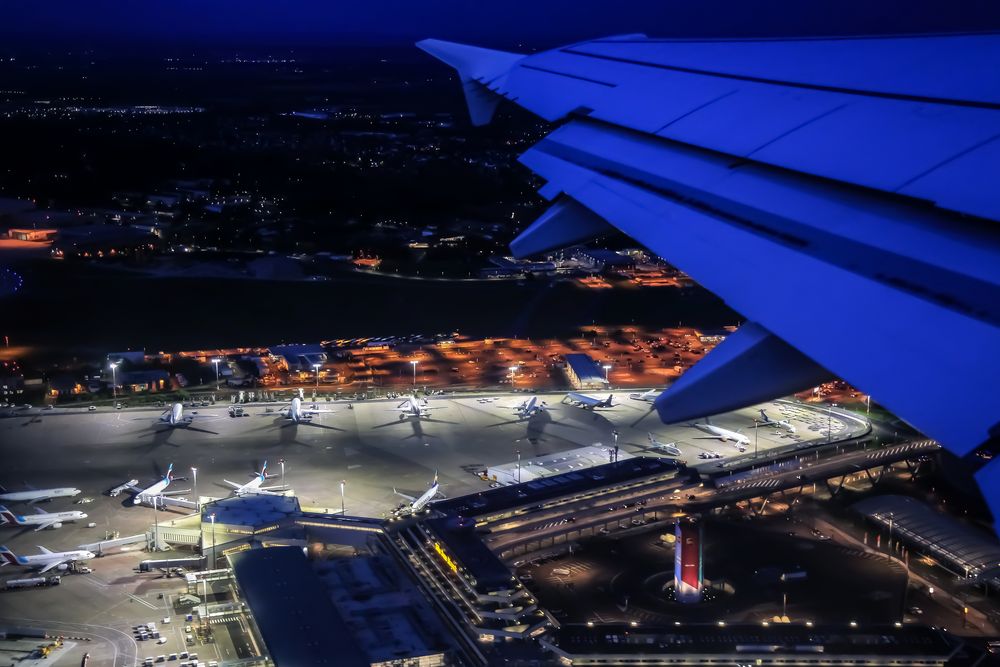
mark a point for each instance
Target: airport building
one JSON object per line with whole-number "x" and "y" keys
{"x": 777, "y": 644}
{"x": 584, "y": 373}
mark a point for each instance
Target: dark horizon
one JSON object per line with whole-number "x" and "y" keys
{"x": 103, "y": 25}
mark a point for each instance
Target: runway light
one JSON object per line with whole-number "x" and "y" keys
{"x": 809, "y": 624}
{"x": 590, "y": 624}
{"x": 677, "y": 622}
{"x": 854, "y": 624}
{"x": 634, "y": 624}
{"x": 722, "y": 624}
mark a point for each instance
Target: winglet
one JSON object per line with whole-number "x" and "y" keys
{"x": 477, "y": 68}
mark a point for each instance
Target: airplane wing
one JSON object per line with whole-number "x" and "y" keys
{"x": 43, "y": 526}
{"x": 412, "y": 499}
{"x": 39, "y": 510}
{"x": 853, "y": 177}
{"x": 177, "y": 492}
{"x": 233, "y": 484}
{"x": 52, "y": 564}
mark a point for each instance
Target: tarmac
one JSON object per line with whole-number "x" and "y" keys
{"x": 367, "y": 444}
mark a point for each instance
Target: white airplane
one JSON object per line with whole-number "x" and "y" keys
{"x": 738, "y": 439}
{"x": 668, "y": 447}
{"x": 296, "y": 413}
{"x": 529, "y": 407}
{"x": 647, "y": 396}
{"x": 412, "y": 407}
{"x": 589, "y": 402}
{"x": 158, "y": 493}
{"x": 45, "y": 561}
{"x": 416, "y": 505}
{"x": 175, "y": 416}
{"x": 41, "y": 519}
{"x": 36, "y": 495}
{"x": 781, "y": 423}
{"x": 254, "y": 486}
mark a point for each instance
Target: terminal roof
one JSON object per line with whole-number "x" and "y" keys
{"x": 298, "y": 622}
{"x": 749, "y": 639}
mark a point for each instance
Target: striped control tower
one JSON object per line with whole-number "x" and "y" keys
{"x": 687, "y": 561}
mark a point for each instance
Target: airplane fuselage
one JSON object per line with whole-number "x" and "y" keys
{"x": 39, "y": 494}
{"x": 45, "y": 560}
{"x": 724, "y": 434}
{"x": 54, "y": 519}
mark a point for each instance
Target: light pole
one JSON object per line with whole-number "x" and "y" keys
{"x": 216, "y": 360}
{"x": 607, "y": 370}
{"x": 519, "y": 466}
{"x": 197, "y": 498}
{"x": 755, "y": 424}
{"x": 513, "y": 371}
{"x": 282, "y": 463}
{"x": 889, "y": 550}
{"x": 413, "y": 362}
{"x": 316, "y": 368}
{"x": 212, "y": 519}
{"x": 156, "y": 526}
{"x": 343, "y": 511}
{"x": 114, "y": 380}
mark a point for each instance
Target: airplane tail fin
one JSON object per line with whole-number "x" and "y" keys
{"x": 7, "y": 556}
{"x": 263, "y": 470}
{"x": 8, "y": 516}
{"x": 435, "y": 478}
{"x": 170, "y": 471}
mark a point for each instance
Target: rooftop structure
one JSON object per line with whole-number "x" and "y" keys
{"x": 583, "y": 372}
{"x": 297, "y": 621}
{"x": 963, "y": 548}
{"x": 778, "y": 644}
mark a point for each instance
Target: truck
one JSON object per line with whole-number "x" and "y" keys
{"x": 32, "y": 582}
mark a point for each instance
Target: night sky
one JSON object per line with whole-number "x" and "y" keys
{"x": 540, "y": 23}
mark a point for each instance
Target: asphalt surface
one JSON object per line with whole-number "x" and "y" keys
{"x": 368, "y": 445}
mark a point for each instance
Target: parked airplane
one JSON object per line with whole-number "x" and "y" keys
{"x": 175, "y": 416}
{"x": 668, "y": 447}
{"x": 781, "y": 423}
{"x": 739, "y": 440}
{"x": 36, "y": 495}
{"x": 412, "y": 407}
{"x": 417, "y": 505}
{"x": 41, "y": 519}
{"x": 45, "y": 561}
{"x": 647, "y": 396}
{"x": 253, "y": 487}
{"x": 158, "y": 493}
{"x": 296, "y": 413}
{"x": 529, "y": 407}
{"x": 589, "y": 402}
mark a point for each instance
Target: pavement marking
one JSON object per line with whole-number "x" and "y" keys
{"x": 145, "y": 602}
